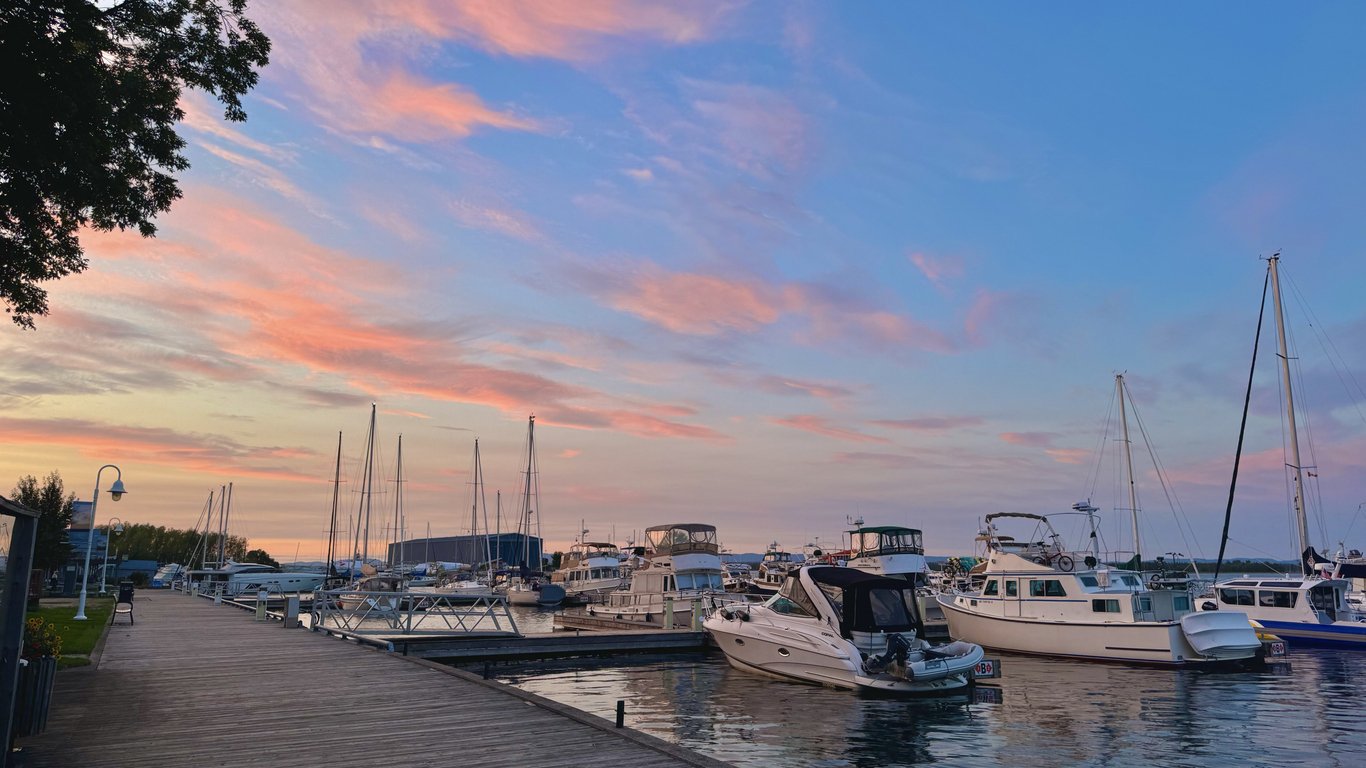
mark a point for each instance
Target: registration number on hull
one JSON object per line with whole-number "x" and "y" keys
{"x": 987, "y": 668}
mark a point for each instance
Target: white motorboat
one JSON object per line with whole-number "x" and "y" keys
{"x": 897, "y": 552}
{"x": 773, "y": 570}
{"x": 1038, "y": 598}
{"x": 591, "y": 570}
{"x": 683, "y": 569}
{"x": 843, "y": 628}
{"x": 249, "y": 578}
{"x": 166, "y": 575}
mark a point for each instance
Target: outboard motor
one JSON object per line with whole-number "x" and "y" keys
{"x": 893, "y": 662}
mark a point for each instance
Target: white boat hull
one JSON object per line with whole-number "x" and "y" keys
{"x": 1145, "y": 642}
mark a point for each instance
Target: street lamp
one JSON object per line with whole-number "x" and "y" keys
{"x": 109, "y": 530}
{"x": 116, "y": 492}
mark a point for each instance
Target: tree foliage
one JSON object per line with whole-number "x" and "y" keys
{"x": 142, "y": 541}
{"x": 51, "y": 549}
{"x": 260, "y": 556}
{"x": 89, "y": 99}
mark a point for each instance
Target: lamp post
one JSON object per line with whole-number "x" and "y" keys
{"x": 109, "y": 530}
{"x": 116, "y": 491}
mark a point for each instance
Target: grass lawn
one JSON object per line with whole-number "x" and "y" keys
{"x": 78, "y": 637}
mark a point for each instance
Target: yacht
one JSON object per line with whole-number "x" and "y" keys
{"x": 683, "y": 568}
{"x": 773, "y": 570}
{"x": 591, "y": 570}
{"x": 248, "y": 578}
{"x": 167, "y": 575}
{"x": 843, "y": 628}
{"x": 897, "y": 552}
{"x": 1038, "y": 598}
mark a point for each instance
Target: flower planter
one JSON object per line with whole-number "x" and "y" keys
{"x": 34, "y": 697}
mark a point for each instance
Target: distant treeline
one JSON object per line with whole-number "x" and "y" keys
{"x": 140, "y": 541}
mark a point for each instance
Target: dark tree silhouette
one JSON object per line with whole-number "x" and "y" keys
{"x": 50, "y": 500}
{"x": 88, "y": 106}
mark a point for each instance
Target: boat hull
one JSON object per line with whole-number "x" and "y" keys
{"x": 823, "y": 658}
{"x": 1301, "y": 634}
{"x": 1160, "y": 643}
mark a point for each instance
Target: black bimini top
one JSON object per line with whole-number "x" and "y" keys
{"x": 870, "y": 603}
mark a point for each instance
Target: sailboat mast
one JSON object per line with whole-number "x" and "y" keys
{"x": 398, "y": 505}
{"x": 332, "y": 528}
{"x": 1301, "y": 517}
{"x": 526, "y": 493}
{"x": 367, "y": 482}
{"x": 1129, "y": 466}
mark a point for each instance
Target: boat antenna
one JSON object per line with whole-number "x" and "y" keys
{"x": 1242, "y": 428}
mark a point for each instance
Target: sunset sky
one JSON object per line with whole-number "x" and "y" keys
{"x": 764, "y": 265}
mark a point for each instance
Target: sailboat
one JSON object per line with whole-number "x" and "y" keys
{"x": 524, "y": 588}
{"x": 1040, "y": 598}
{"x": 1309, "y": 610}
{"x": 372, "y": 590}
{"x": 468, "y": 589}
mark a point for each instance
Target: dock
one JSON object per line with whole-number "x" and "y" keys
{"x": 194, "y": 683}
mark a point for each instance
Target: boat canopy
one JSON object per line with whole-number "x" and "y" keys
{"x": 865, "y": 602}
{"x": 886, "y": 540}
{"x": 680, "y": 538}
{"x": 1028, "y": 515}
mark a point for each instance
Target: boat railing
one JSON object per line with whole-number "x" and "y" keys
{"x": 358, "y": 613}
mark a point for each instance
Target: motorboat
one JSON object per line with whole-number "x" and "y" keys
{"x": 1038, "y": 598}
{"x": 737, "y": 577}
{"x": 166, "y": 575}
{"x": 532, "y": 591}
{"x": 773, "y": 570}
{"x": 683, "y": 569}
{"x": 591, "y": 570}
{"x": 897, "y": 552}
{"x": 236, "y": 578}
{"x": 844, "y": 628}
{"x": 380, "y": 592}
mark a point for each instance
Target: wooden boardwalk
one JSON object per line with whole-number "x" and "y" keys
{"x": 205, "y": 686}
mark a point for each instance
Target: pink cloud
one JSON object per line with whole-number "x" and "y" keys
{"x": 783, "y": 385}
{"x": 930, "y": 423}
{"x": 501, "y": 220}
{"x": 1034, "y": 439}
{"x": 214, "y": 455}
{"x": 696, "y": 304}
{"x": 822, "y": 426}
{"x": 569, "y": 453}
{"x": 1068, "y": 455}
{"x": 938, "y": 271}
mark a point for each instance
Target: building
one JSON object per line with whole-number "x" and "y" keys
{"x": 507, "y": 547}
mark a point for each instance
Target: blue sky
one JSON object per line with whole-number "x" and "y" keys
{"x": 765, "y": 265}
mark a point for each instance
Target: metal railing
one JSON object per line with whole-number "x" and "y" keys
{"x": 360, "y": 614}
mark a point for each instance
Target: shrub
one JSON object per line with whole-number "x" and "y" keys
{"x": 41, "y": 639}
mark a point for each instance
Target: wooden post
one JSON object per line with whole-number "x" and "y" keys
{"x": 12, "y": 608}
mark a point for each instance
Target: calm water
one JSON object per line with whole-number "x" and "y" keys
{"x": 1060, "y": 713}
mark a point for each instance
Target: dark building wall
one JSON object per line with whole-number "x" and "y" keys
{"x": 467, "y": 549}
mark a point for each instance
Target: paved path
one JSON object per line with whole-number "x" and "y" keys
{"x": 203, "y": 686}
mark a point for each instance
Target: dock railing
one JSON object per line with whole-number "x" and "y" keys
{"x": 357, "y": 613}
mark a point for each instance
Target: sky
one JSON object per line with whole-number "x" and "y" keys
{"x": 772, "y": 266}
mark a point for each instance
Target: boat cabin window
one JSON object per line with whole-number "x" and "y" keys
{"x": 1130, "y": 580}
{"x": 835, "y": 595}
{"x": 1046, "y": 588}
{"x": 1012, "y": 588}
{"x": 1235, "y": 596}
{"x": 1088, "y": 581}
{"x": 1323, "y": 597}
{"x": 1275, "y": 598}
{"x": 792, "y": 599}
{"x": 1145, "y": 604}
{"x": 1105, "y": 606}
{"x": 889, "y": 608}
{"x": 990, "y": 589}
{"x": 1181, "y": 602}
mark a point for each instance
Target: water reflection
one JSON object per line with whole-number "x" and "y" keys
{"x": 1065, "y": 712}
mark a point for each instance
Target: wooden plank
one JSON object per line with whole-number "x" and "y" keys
{"x": 192, "y": 683}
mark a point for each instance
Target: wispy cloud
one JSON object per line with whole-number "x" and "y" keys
{"x": 939, "y": 271}
{"x": 930, "y": 423}
{"x": 822, "y": 426}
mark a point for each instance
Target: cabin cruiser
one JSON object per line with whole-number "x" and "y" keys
{"x": 249, "y": 578}
{"x": 1305, "y": 611}
{"x": 683, "y": 569}
{"x": 773, "y": 570}
{"x": 591, "y": 570}
{"x": 895, "y": 552}
{"x": 166, "y": 575}
{"x": 1036, "y": 597}
{"x": 844, "y": 628}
